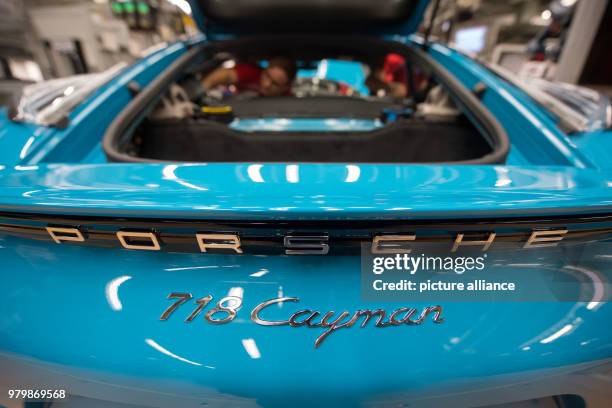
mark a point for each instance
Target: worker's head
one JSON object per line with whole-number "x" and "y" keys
{"x": 276, "y": 79}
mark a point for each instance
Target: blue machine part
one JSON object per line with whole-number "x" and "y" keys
{"x": 305, "y": 125}
{"x": 350, "y": 73}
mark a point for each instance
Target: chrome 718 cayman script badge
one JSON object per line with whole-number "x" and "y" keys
{"x": 227, "y": 309}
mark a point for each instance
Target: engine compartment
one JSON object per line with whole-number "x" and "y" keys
{"x": 322, "y": 120}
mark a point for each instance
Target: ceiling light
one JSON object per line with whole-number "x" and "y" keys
{"x": 182, "y": 4}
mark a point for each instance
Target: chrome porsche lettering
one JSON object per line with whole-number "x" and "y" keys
{"x": 331, "y": 321}
{"x": 150, "y": 240}
{"x": 306, "y": 245}
{"x": 485, "y": 244}
{"x": 146, "y": 241}
{"x": 543, "y": 239}
{"x": 219, "y": 241}
{"x": 391, "y": 244}
{"x": 65, "y": 234}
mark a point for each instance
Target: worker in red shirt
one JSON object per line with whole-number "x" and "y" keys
{"x": 389, "y": 77}
{"x": 274, "y": 80}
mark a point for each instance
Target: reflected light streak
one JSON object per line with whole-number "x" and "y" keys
{"x": 280, "y": 295}
{"x": 292, "y": 173}
{"x": 26, "y": 168}
{"x": 183, "y": 5}
{"x": 168, "y": 173}
{"x": 254, "y": 172}
{"x": 187, "y": 268}
{"x": 26, "y": 147}
{"x": 353, "y": 173}
{"x": 251, "y": 348}
{"x": 29, "y": 193}
{"x": 562, "y": 331}
{"x": 236, "y": 294}
{"x": 598, "y": 286}
{"x": 502, "y": 177}
{"x": 322, "y": 69}
{"x": 162, "y": 350}
{"x": 112, "y": 292}
{"x": 260, "y": 273}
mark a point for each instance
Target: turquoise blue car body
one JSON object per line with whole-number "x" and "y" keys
{"x": 87, "y": 319}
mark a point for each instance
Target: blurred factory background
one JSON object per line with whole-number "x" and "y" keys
{"x": 45, "y": 39}
{"x": 563, "y": 40}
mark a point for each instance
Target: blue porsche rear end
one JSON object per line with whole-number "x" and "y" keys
{"x": 110, "y": 272}
{"x": 86, "y": 317}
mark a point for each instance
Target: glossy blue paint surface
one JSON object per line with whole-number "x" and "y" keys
{"x": 530, "y": 128}
{"x": 596, "y": 145}
{"x": 263, "y": 191}
{"x": 108, "y": 312}
{"x": 17, "y": 138}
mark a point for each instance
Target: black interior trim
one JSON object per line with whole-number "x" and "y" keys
{"x": 463, "y": 96}
{"x": 406, "y": 141}
{"x": 143, "y": 102}
{"x": 311, "y": 107}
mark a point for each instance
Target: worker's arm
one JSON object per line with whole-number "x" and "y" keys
{"x": 220, "y": 76}
{"x": 398, "y": 90}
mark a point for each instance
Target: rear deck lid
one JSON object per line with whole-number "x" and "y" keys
{"x": 230, "y": 18}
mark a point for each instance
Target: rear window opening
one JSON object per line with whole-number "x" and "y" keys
{"x": 346, "y": 115}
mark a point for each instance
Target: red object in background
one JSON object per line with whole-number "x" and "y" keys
{"x": 394, "y": 69}
{"x": 345, "y": 89}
